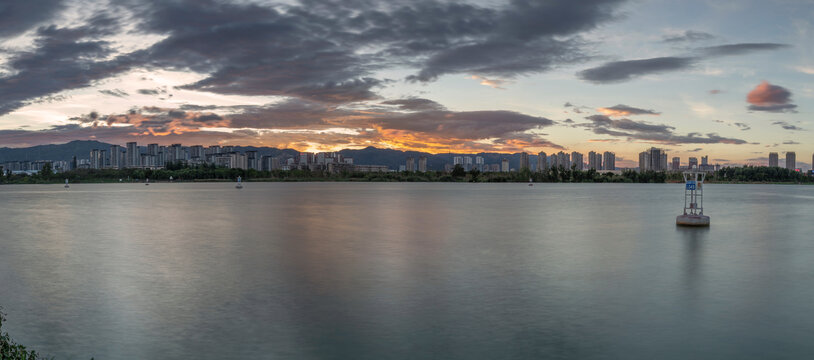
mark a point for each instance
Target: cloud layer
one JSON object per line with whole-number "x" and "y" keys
{"x": 415, "y": 123}
{"x": 651, "y": 133}
{"x": 621, "y": 71}
{"x": 770, "y": 98}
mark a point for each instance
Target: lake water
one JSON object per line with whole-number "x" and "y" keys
{"x": 406, "y": 271}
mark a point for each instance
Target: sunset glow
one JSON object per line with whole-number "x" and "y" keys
{"x": 606, "y": 75}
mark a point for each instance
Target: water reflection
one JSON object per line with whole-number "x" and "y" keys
{"x": 404, "y": 271}
{"x": 694, "y": 240}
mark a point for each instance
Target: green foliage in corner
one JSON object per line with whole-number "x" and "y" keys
{"x": 9, "y": 350}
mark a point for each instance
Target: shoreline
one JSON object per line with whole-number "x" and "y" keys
{"x": 264, "y": 180}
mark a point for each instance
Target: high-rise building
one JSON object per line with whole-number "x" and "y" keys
{"x": 467, "y": 163}
{"x": 644, "y": 161}
{"x": 152, "y": 149}
{"x": 774, "y": 159}
{"x": 179, "y": 153}
{"x": 480, "y": 163}
{"x": 524, "y": 161}
{"x": 133, "y": 155}
{"x": 458, "y": 160}
{"x": 504, "y": 165}
{"x": 95, "y": 159}
{"x": 253, "y": 161}
{"x": 196, "y": 152}
{"x": 410, "y": 166}
{"x": 594, "y": 160}
{"x": 705, "y": 160}
{"x": 692, "y": 163}
{"x": 422, "y": 164}
{"x": 306, "y": 158}
{"x": 149, "y": 161}
{"x": 163, "y": 153}
{"x": 542, "y": 161}
{"x": 791, "y": 160}
{"x": 654, "y": 159}
{"x": 609, "y": 162}
{"x": 577, "y": 161}
{"x": 676, "y": 165}
{"x": 563, "y": 160}
{"x": 115, "y": 156}
{"x": 658, "y": 159}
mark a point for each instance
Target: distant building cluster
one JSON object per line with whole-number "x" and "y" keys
{"x": 596, "y": 161}
{"x": 155, "y": 156}
{"x": 655, "y": 159}
{"x": 477, "y": 163}
{"x": 791, "y": 161}
{"x": 33, "y": 167}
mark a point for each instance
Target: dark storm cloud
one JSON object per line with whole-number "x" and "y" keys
{"x": 655, "y": 133}
{"x": 790, "y": 142}
{"x": 627, "y": 124}
{"x": 293, "y": 113}
{"x": 301, "y": 49}
{"x": 788, "y": 126}
{"x": 619, "y": 71}
{"x": 317, "y": 50}
{"x": 295, "y": 121}
{"x": 424, "y": 118}
{"x": 19, "y": 16}
{"x": 63, "y": 58}
{"x": 464, "y": 124}
{"x": 253, "y": 50}
{"x": 532, "y": 31}
{"x": 489, "y": 58}
{"x": 740, "y": 49}
{"x": 415, "y": 104}
{"x": 688, "y": 35}
{"x": 176, "y": 114}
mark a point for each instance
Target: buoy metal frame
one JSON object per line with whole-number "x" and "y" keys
{"x": 693, "y": 200}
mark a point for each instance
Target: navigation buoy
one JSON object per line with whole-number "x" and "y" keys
{"x": 693, "y": 200}
{"x": 66, "y": 184}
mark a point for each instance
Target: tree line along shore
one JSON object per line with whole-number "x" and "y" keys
{"x": 202, "y": 173}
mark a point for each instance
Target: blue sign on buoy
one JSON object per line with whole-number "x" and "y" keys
{"x": 690, "y": 185}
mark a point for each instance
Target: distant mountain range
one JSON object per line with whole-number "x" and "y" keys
{"x": 367, "y": 156}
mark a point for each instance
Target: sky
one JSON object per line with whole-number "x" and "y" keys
{"x": 733, "y": 80}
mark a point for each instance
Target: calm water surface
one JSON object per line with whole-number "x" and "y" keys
{"x": 407, "y": 271}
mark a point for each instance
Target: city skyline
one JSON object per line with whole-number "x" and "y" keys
{"x": 477, "y": 76}
{"x": 155, "y": 156}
